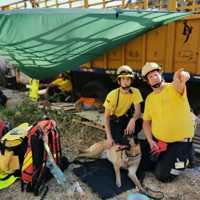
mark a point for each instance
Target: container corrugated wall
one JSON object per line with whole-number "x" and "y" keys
{"x": 172, "y": 46}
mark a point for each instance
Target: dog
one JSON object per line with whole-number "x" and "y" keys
{"x": 119, "y": 157}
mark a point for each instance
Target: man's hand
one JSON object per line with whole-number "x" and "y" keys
{"x": 153, "y": 145}
{"x": 162, "y": 146}
{"x": 181, "y": 76}
{"x": 130, "y": 127}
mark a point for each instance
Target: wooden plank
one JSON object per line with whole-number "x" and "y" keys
{"x": 90, "y": 124}
{"x": 62, "y": 104}
{"x": 93, "y": 116}
{"x": 59, "y": 106}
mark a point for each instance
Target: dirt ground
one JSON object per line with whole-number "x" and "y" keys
{"x": 77, "y": 136}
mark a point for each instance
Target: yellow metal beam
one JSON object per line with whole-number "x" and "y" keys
{"x": 45, "y": 3}
{"x": 146, "y": 4}
{"x": 57, "y": 4}
{"x": 169, "y": 59}
{"x": 123, "y": 3}
{"x": 172, "y": 5}
{"x": 85, "y": 3}
{"x": 104, "y": 4}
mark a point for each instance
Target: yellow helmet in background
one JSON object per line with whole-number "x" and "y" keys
{"x": 125, "y": 71}
{"x": 149, "y": 67}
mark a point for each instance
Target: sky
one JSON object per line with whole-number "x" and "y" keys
{"x": 4, "y": 2}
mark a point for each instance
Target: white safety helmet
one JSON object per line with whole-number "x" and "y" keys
{"x": 149, "y": 67}
{"x": 125, "y": 71}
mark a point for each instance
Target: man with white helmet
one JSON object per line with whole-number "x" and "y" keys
{"x": 122, "y": 109}
{"x": 167, "y": 124}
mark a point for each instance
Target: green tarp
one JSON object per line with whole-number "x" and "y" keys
{"x": 45, "y": 42}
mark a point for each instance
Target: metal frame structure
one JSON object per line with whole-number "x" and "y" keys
{"x": 172, "y": 5}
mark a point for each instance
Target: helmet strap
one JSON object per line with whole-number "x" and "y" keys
{"x": 157, "y": 85}
{"x": 126, "y": 89}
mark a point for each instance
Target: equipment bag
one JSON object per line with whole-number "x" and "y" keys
{"x": 12, "y": 149}
{"x": 35, "y": 172}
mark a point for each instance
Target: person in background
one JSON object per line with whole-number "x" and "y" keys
{"x": 122, "y": 109}
{"x": 59, "y": 88}
{"x": 167, "y": 125}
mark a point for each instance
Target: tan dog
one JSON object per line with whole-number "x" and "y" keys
{"x": 119, "y": 158}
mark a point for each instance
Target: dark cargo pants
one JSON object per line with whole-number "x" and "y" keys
{"x": 168, "y": 163}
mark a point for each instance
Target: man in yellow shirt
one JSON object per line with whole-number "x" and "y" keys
{"x": 60, "y": 88}
{"x": 167, "y": 124}
{"x": 122, "y": 109}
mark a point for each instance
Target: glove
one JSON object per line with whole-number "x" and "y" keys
{"x": 162, "y": 146}
{"x": 155, "y": 152}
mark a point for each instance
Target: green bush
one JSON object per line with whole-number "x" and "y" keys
{"x": 28, "y": 111}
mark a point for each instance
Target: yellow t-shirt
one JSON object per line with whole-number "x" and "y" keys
{"x": 124, "y": 102}
{"x": 169, "y": 113}
{"x": 63, "y": 85}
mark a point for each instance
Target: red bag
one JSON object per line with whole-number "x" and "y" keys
{"x": 34, "y": 170}
{"x": 2, "y": 126}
